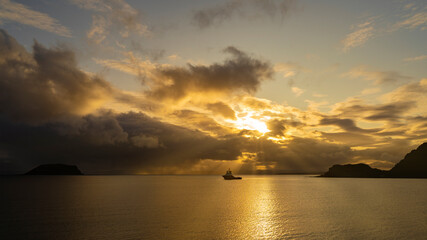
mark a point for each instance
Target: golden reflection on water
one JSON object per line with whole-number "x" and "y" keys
{"x": 264, "y": 223}
{"x": 208, "y": 207}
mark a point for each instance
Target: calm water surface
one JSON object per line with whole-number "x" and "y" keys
{"x": 207, "y": 207}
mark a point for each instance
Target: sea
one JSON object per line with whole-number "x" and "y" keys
{"x": 208, "y": 207}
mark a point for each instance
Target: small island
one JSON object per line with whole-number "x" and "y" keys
{"x": 414, "y": 165}
{"x": 55, "y": 169}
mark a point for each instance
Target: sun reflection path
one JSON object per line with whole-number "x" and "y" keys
{"x": 266, "y": 223}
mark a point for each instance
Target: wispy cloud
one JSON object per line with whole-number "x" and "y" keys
{"x": 418, "y": 58}
{"x": 215, "y": 15}
{"x": 20, "y": 13}
{"x": 173, "y": 57}
{"x": 412, "y": 21}
{"x": 362, "y": 33}
{"x": 315, "y": 105}
{"x": 414, "y": 91}
{"x": 131, "y": 64}
{"x": 98, "y": 31}
{"x": 288, "y": 69}
{"x": 408, "y": 16}
{"x": 298, "y": 91}
{"x": 319, "y": 95}
{"x": 378, "y": 77}
{"x": 391, "y": 111}
{"x": 111, "y": 15}
{"x": 369, "y": 91}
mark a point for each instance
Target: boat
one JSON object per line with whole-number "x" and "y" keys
{"x": 229, "y": 176}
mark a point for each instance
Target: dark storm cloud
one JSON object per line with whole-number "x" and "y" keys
{"x": 248, "y": 9}
{"x": 110, "y": 143}
{"x": 180, "y": 140}
{"x": 100, "y": 129}
{"x": 47, "y": 115}
{"x": 45, "y": 84}
{"x": 238, "y": 73}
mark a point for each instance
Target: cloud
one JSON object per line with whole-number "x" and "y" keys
{"x": 216, "y": 15}
{"x": 392, "y": 152}
{"x": 198, "y": 121}
{"x": 378, "y": 77}
{"x": 98, "y": 31}
{"x": 412, "y": 21}
{"x": 401, "y": 113}
{"x": 297, "y": 91}
{"x": 50, "y": 111}
{"x": 415, "y": 92}
{"x": 352, "y": 139}
{"x": 71, "y": 130}
{"x": 240, "y": 73}
{"x": 410, "y": 91}
{"x": 288, "y": 69}
{"x": 417, "y": 58}
{"x": 410, "y": 16}
{"x": 132, "y": 142}
{"x": 345, "y": 124}
{"x": 369, "y": 91}
{"x": 112, "y": 143}
{"x": 144, "y": 141}
{"x": 173, "y": 57}
{"x": 362, "y": 33}
{"x": 294, "y": 157}
{"x": 314, "y": 105}
{"x": 45, "y": 84}
{"x": 279, "y": 126}
{"x": 319, "y": 95}
{"x": 222, "y": 109}
{"x": 143, "y": 68}
{"x": 112, "y": 16}
{"x": 356, "y": 108}
{"x": 96, "y": 129}
{"x": 20, "y": 13}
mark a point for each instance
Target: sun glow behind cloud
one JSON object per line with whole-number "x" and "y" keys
{"x": 249, "y": 122}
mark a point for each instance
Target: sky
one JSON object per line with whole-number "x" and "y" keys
{"x": 197, "y": 87}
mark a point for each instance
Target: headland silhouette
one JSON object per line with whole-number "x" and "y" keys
{"x": 414, "y": 165}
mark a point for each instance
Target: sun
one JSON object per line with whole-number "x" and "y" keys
{"x": 250, "y": 123}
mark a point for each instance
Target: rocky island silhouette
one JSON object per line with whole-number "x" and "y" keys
{"x": 414, "y": 165}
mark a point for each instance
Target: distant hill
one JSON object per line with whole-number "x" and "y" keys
{"x": 414, "y": 165}
{"x": 354, "y": 170}
{"x": 55, "y": 169}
